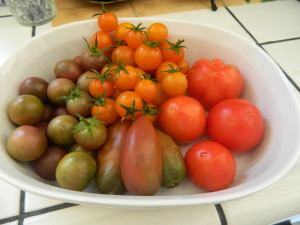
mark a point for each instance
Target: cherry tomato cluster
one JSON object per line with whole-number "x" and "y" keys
{"x": 119, "y": 111}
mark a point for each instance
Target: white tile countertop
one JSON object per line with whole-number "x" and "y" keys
{"x": 273, "y": 26}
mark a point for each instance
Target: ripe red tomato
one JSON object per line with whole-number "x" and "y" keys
{"x": 183, "y": 118}
{"x": 210, "y": 166}
{"x": 235, "y": 123}
{"x": 213, "y": 81}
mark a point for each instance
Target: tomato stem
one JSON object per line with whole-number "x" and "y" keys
{"x": 176, "y": 46}
{"x": 130, "y": 110}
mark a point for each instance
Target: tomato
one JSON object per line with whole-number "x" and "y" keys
{"x": 150, "y": 111}
{"x": 157, "y": 31}
{"x": 122, "y": 31}
{"x": 147, "y": 89}
{"x": 123, "y": 54}
{"x": 183, "y": 118}
{"x": 26, "y": 143}
{"x": 26, "y": 110}
{"x": 235, "y": 123}
{"x": 147, "y": 56}
{"x": 211, "y": 81}
{"x": 101, "y": 40}
{"x": 90, "y": 133}
{"x": 67, "y": 68}
{"x": 107, "y": 21}
{"x": 172, "y": 51}
{"x": 174, "y": 84}
{"x": 101, "y": 85}
{"x": 184, "y": 66}
{"x": 210, "y": 166}
{"x": 135, "y": 36}
{"x": 34, "y": 86}
{"x": 126, "y": 77}
{"x": 104, "y": 109}
{"x": 59, "y": 87}
{"x": 164, "y": 69}
{"x": 141, "y": 164}
{"x": 108, "y": 177}
{"x": 129, "y": 105}
{"x": 161, "y": 95}
{"x": 75, "y": 171}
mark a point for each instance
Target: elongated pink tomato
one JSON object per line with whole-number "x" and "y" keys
{"x": 141, "y": 164}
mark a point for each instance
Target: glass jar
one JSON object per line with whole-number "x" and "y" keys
{"x": 32, "y": 12}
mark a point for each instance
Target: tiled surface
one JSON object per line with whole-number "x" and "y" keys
{"x": 275, "y": 27}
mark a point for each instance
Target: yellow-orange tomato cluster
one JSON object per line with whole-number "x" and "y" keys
{"x": 143, "y": 67}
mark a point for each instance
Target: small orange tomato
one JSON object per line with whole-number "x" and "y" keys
{"x": 107, "y": 21}
{"x": 184, "y": 66}
{"x": 126, "y": 78}
{"x": 147, "y": 58}
{"x": 164, "y": 69}
{"x": 122, "y": 31}
{"x": 147, "y": 89}
{"x": 105, "y": 110}
{"x": 172, "y": 51}
{"x": 161, "y": 96}
{"x": 123, "y": 54}
{"x": 101, "y": 39}
{"x": 174, "y": 84}
{"x": 157, "y": 31}
{"x": 151, "y": 111}
{"x": 129, "y": 105}
{"x": 136, "y": 36}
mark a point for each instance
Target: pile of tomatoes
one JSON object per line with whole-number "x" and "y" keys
{"x": 118, "y": 113}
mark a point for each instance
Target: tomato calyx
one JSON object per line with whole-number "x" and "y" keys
{"x": 175, "y": 46}
{"x": 86, "y": 124}
{"x": 130, "y": 110}
{"x": 74, "y": 93}
{"x": 94, "y": 50}
{"x": 137, "y": 28}
{"x": 103, "y": 77}
{"x": 104, "y": 10}
{"x": 150, "y": 110}
{"x": 172, "y": 69}
{"x": 148, "y": 77}
{"x": 121, "y": 67}
{"x": 100, "y": 100}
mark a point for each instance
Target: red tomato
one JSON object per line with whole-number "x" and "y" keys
{"x": 210, "y": 166}
{"x": 147, "y": 57}
{"x": 213, "y": 81}
{"x": 235, "y": 123}
{"x": 141, "y": 165}
{"x": 183, "y": 118}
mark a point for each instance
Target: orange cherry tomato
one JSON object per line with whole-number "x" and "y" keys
{"x": 129, "y": 105}
{"x": 157, "y": 32}
{"x": 123, "y": 54}
{"x": 136, "y": 36}
{"x": 98, "y": 87}
{"x": 163, "y": 69}
{"x": 161, "y": 95}
{"x": 172, "y": 51}
{"x": 147, "y": 57}
{"x": 147, "y": 89}
{"x": 151, "y": 112}
{"x": 126, "y": 78}
{"x": 108, "y": 21}
{"x": 122, "y": 31}
{"x": 184, "y": 66}
{"x": 101, "y": 39}
{"x": 105, "y": 110}
{"x": 174, "y": 84}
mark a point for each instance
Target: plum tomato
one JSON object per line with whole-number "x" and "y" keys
{"x": 59, "y": 87}
{"x": 211, "y": 81}
{"x": 235, "y": 123}
{"x": 45, "y": 165}
{"x": 26, "y": 110}
{"x": 34, "y": 86}
{"x": 141, "y": 164}
{"x": 68, "y": 68}
{"x": 75, "y": 171}
{"x": 60, "y": 129}
{"x": 210, "y": 165}
{"x": 26, "y": 143}
{"x": 183, "y": 118}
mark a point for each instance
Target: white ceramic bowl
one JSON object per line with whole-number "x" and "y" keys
{"x": 265, "y": 85}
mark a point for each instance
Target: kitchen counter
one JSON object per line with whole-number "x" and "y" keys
{"x": 273, "y": 26}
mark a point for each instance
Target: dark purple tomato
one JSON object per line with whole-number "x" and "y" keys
{"x": 68, "y": 68}
{"x": 90, "y": 62}
{"x": 26, "y": 143}
{"x": 36, "y": 86}
{"x": 45, "y": 166}
{"x": 59, "y": 110}
{"x": 59, "y": 87}
{"x": 26, "y": 110}
{"x": 84, "y": 80}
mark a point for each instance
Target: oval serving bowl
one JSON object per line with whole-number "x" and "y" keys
{"x": 265, "y": 85}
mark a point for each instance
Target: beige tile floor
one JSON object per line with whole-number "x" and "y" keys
{"x": 76, "y": 10}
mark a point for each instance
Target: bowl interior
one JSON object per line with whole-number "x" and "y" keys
{"x": 265, "y": 86}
